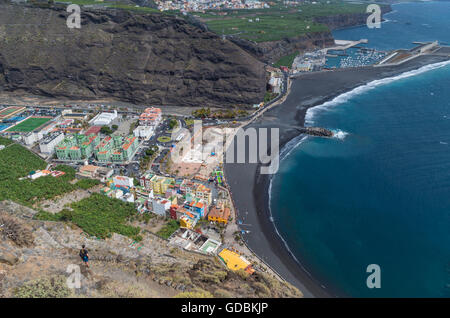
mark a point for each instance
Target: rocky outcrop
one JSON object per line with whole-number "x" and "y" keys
{"x": 316, "y": 131}
{"x": 132, "y": 57}
{"x": 270, "y": 52}
{"x": 7, "y": 257}
{"x": 118, "y": 268}
{"x": 348, "y": 20}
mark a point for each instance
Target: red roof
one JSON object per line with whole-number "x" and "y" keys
{"x": 93, "y": 130}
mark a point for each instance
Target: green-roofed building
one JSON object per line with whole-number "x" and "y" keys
{"x": 76, "y": 147}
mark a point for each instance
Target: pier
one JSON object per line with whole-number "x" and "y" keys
{"x": 398, "y": 57}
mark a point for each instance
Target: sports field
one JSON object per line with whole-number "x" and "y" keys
{"x": 30, "y": 124}
{"x": 10, "y": 111}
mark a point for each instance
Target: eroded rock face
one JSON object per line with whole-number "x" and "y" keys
{"x": 8, "y": 258}
{"x": 137, "y": 58}
{"x": 346, "y": 20}
{"x": 270, "y": 52}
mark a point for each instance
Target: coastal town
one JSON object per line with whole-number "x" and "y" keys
{"x": 123, "y": 154}
{"x": 134, "y": 147}
{"x": 126, "y": 156}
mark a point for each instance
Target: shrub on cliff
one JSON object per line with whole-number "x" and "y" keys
{"x": 47, "y": 287}
{"x": 196, "y": 293}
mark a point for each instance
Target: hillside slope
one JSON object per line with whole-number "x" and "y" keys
{"x": 35, "y": 253}
{"x": 132, "y": 57}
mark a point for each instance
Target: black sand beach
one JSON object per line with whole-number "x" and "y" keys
{"x": 250, "y": 189}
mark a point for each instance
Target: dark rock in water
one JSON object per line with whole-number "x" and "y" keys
{"x": 316, "y": 131}
{"x": 133, "y": 57}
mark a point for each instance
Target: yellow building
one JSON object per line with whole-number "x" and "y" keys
{"x": 204, "y": 193}
{"x": 235, "y": 262}
{"x": 160, "y": 184}
{"x": 187, "y": 222}
{"x": 219, "y": 214}
{"x": 166, "y": 183}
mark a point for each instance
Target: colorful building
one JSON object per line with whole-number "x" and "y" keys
{"x": 235, "y": 262}
{"x": 144, "y": 181}
{"x": 116, "y": 148}
{"x": 219, "y": 214}
{"x": 150, "y": 117}
{"x": 196, "y": 206}
{"x": 160, "y": 184}
{"x": 76, "y": 147}
{"x": 204, "y": 193}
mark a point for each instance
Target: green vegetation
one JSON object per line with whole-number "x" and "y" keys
{"x": 5, "y": 141}
{"x": 268, "y": 28}
{"x": 29, "y": 124}
{"x": 164, "y": 139}
{"x": 152, "y": 150}
{"x": 189, "y": 122}
{"x": 87, "y": 183}
{"x": 133, "y": 125}
{"x": 168, "y": 229}
{"x": 201, "y": 113}
{"x": 134, "y": 8}
{"x": 16, "y": 162}
{"x": 269, "y": 96}
{"x": 84, "y": 2}
{"x": 224, "y": 114}
{"x": 196, "y": 293}
{"x": 286, "y": 60}
{"x": 150, "y": 153}
{"x": 277, "y": 22}
{"x": 173, "y": 123}
{"x": 99, "y": 216}
{"x": 107, "y": 130}
{"x": 47, "y": 287}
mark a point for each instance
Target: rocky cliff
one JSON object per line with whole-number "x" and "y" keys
{"x": 270, "y": 52}
{"x": 34, "y": 257}
{"x": 348, "y": 20}
{"x": 138, "y": 58}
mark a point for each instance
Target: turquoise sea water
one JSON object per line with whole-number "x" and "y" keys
{"x": 379, "y": 194}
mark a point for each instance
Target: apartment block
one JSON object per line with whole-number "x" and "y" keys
{"x": 76, "y": 147}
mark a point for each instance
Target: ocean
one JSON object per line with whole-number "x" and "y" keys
{"x": 378, "y": 193}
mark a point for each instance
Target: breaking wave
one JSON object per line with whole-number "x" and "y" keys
{"x": 311, "y": 112}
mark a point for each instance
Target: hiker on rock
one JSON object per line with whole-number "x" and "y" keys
{"x": 84, "y": 255}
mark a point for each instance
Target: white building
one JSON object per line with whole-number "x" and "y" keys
{"x": 123, "y": 181}
{"x": 275, "y": 83}
{"x": 103, "y": 119}
{"x": 160, "y": 206}
{"x": 143, "y": 132}
{"x": 47, "y": 146}
{"x": 31, "y": 138}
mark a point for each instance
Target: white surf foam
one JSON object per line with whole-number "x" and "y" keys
{"x": 311, "y": 112}
{"x": 294, "y": 143}
{"x": 339, "y": 134}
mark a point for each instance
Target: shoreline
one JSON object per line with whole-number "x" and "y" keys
{"x": 250, "y": 189}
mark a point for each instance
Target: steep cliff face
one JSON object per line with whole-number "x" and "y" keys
{"x": 138, "y": 58}
{"x": 270, "y": 52}
{"x": 348, "y": 20}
